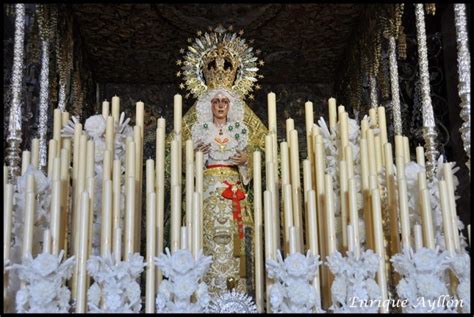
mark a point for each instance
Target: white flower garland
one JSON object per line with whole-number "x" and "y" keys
{"x": 184, "y": 275}
{"x": 423, "y": 277}
{"x": 461, "y": 265}
{"x": 354, "y": 279}
{"x": 293, "y": 291}
{"x": 44, "y": 278}
{"x": 115, "y": 288}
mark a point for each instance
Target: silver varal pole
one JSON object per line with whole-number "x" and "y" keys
{"x": 464, "y": 73}
{"x": 44, "y": 103}
{"x": 397, "y": 114}
{"x": 429, "y": 127}
{"x": 373, "y": 92}
{"x": 13, "y": 155}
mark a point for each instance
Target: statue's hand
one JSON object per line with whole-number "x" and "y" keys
{"x": 240, "y": 158}
{"x": 204, "y": 148}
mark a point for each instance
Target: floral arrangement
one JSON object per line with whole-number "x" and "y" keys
{"x": 354, "y": 280}
{"x": 115, "y": 288}
{"x": 423, "y": 277}
{"x": 44, "y": 279}
{"x": 460, "y": 264}
{"x": 293, "y": 291}
{"x": 184, "y": 275}
{"x": 95, "y": 127}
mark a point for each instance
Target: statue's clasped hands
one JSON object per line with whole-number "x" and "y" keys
{"x": 204, "y": 148}
{"x": 240, "y": 158}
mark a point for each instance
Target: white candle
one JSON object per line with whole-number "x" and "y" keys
{"x": 448, "y": 177}
{"x": 406, "y": 149}
{"x": 382, "y": 125}
{"x": 83, "y": 255}
{"x": 427, "y": 219}
{"x": 65, "y": 118}
{"x": 418, "y": 237}
{"x": 330, "y": 217}
{"x": 47, "y": 241}
{"x": 106, "y": 221}
{"x": 90, "y": 164}
{"x": 313, "y": 224}
{"x": 25, "y": 161}
{"x": 420, "y": 156}
{"x": 140, "y": 114}
{"x": 293, "y": 240}
{"x": 404, "y": 217}
{"x": 129, "y": 217}
{"x": 5, "y": 176}
{"x": 177, "y": 116}
{"x": 378, "y": 153}
{"x": 117, "y": 244}
{"x": 116, "y": 192}
{"x": 29, "y": 223}
{"x": 354, "y": 215}
{"x": 343, "y": 200}
{"x": 350, "y": 238}
{"x": 7, "y": 220}
{"x": 116, "y": 108}
{"x": 175, "y": 217}
{"x": 349, "y": 161}
{"x": 344, "y": 134}
{"x": 196, "y": 225}
{"x": 290, "y": 125}
{"x": 109, "y": 136}
{"x": 288, "y": 214}
{"x": 57, "y": 125}
{"x": 56, "y": 220}
{"x": 184, "y": 238}
{"x": 189, "y": 194}
{"x": 174, "y": 163}
{"x": 399, "y": 147}
{"x": 364, "y": 164}
{"x": 371, "y": 152}
{"x": 269, "y": 243}
{"x": 161, "y": 123}
{"x": 364, "y": 126}
{"x": 373, "y": 117}
{"x": 340, "y": 109}
{"x": 35, "y": 153}
{"x": 53, "y": 145}
{"x": 285, "y": 163}
{"x": 379, "y": 246}
{"x": 332, "y": 113}
{"x": 271, "y": 102}
{"x": 105, "y": 109}
{"x": 76, "y": 152}
{"x": 199, "y": 171}
{"x": 309, "y": 121}
{"x": 150, "y": 251}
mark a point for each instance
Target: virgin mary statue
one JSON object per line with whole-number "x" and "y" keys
{"x": 220, "y": 69}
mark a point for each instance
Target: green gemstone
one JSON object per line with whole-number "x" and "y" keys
{"x": 231, "y": 128}
{"x": 244, "y": 131}
{"x": 205, "y": 125}
{"x": 237, "y": 136}
{"x": 237, "y": 124}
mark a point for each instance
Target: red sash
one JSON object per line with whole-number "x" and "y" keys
{"x": 236, "y": 195}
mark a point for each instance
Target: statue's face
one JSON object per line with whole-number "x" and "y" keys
{"x": 220, "y": 106}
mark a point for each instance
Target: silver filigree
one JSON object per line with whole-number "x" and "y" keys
{"x": 464, "y": 73}
{"x": 62, "y": 96}
{"x": 429, "y": 126}
{"x": 14, "y": 140}
{"x": 43, "y": 104}
{"x": 232, "y": 302}
{"x": 373, "y": 91}
{"x": 397, "y": 114}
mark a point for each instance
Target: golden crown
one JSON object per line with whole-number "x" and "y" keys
{"x": 219, "y": 58}
{"x": 219, "y": 68}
